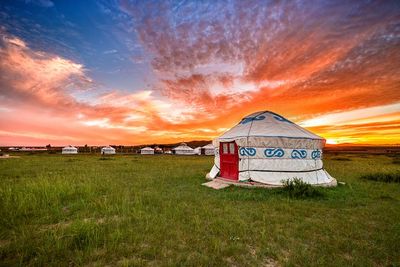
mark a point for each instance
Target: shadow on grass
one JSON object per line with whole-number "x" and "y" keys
{"x": 292, "y": 189}
{"x": 106, "y": 158}
{"x": 396, "y": 161}
{"x": 341, "y": 159}
{"x": 73, "y": 159}
{"x": 382, "y": 177}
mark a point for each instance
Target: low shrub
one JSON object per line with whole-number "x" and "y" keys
{"x": 383, "y": 177}
{"x": 297, "y": 188}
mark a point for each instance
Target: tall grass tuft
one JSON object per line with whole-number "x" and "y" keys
{"x": 383, "y": 177}
{"x": 297, "y": 188}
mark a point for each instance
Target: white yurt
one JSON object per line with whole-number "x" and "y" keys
{"x": 147, "y": 151}
{"x": 197, "y": 151}
{"x": 208, "y": 150}
{"x": 183, "y": 149}
{"x": 69, "y": 150}
{"x": 158, "y": 150}
{"x": 265, "y": 147}
{"x": 107, "y": 150}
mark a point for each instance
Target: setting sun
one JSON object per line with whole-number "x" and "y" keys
{"x": 331, "y": 141}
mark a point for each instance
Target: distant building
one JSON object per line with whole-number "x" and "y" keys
{"x": 208, "y": 150}
{"x": 147, "y": 151}
{"x": 197, "y": 151}
{"x": 69, "y": 150}
{"x": 158, "y": 150}
{"x": 108, "y": 150}
{"x": 183, "y": 149}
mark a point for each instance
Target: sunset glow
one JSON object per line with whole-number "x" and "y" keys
{"x": 116, "y": 72}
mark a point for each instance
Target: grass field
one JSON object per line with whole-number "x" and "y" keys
{"x": 152, "y": 211}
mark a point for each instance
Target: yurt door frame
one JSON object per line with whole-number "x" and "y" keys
{"x": 229, "y": 160}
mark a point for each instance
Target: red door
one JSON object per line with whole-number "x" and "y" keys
{"x": 229, "y": 160}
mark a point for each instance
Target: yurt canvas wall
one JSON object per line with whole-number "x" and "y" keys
{"x": 267, "y": 148}
{"x": 108, "y": 150}
{"x": 208, "y": 150}
{"x": 147, "y": 151}
{"x": 69, "y": 150}
{"x": 183, "y": 149}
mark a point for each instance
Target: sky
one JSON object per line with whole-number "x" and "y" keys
{"x": 143, "y": 72}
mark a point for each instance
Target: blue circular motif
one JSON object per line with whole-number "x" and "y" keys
{"x": 316, "y": 154}
{"x": 280, "y": 118}
{"x": 247, "y": 151}
{"x": 299, "y": 154}
{"x": 274, "y": 152}
{"x": 250, "y": 119}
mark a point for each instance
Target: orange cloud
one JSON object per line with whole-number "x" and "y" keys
{"x": 318, "y": 64}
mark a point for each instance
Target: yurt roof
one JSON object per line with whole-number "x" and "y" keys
{"x": 69, "y": 147}
{"x": 147, "y": 148}
{"x": 209, "y": 146}
{"x": 183, "y": 146}
{"x": 108, "y": 148}
{"x": 268, "y": 124}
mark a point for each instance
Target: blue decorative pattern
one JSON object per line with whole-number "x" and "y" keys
{"x": 247, "y": 151}
{"x": 316, "y": 154}
{"x": 250, "y": 119}
{"x": 280, "y": 118}
{"x": 274, "y": 152}
{"x": 299, "y": 154}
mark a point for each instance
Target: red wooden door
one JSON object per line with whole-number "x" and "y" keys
{"x": 229, "y": 160}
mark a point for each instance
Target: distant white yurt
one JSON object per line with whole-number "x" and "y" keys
{"x": 158, "y": 150}
{"x": 208, "y": 150}
{"x": 147, "y": 151}
{"x": 69, "y": 150}
{"x": 183, "y": 149}
{"x": 107, "y": 150}
{"x": 267, "y": 148}
{"x": 197, "y": 151}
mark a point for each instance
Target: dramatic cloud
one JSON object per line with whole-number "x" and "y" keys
{"x": 333, "y": 66}
{"x": 41, "y": 87}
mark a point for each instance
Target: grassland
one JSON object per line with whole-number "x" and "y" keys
{"x": 152, "y": 211}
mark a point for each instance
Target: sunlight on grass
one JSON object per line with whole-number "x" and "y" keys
{"x": 135, "y": 211}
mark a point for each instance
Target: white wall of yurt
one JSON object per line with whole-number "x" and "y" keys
{"x": 183, "y": 149}
{"x": 147, "y": 151}
{"x": 108, "y": 150}
{"x": 69, "y": 150}
{"x": 208, "y": 150}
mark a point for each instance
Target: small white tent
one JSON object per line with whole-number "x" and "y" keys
{"x": 147, "y": 151}
{"x": 267, "y": 148}
{"x": 69, "y": 150}
{"x": 107, "y": 150}
{"x": 158, "y": 150}
{"x": 208, "y": 150}
{"x": 197, "y": 151}
{"x": 183, "y": 149}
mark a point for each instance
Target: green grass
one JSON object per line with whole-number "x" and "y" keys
{"x": 152, "y": 211}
